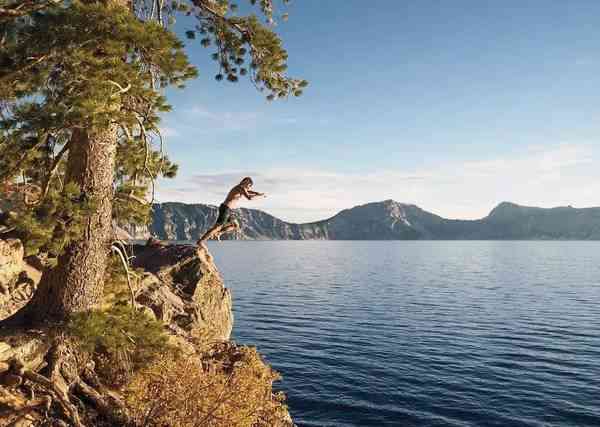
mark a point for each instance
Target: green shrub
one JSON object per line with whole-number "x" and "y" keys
{"x": 121, "y": 339}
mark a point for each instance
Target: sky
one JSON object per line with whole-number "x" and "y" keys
{"x": 454, "y": 106}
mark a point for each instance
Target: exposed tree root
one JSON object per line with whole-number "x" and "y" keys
{"x": 59, "y": 395}
{"x": 47, "y": 379}
{"x": 108, "y": 404}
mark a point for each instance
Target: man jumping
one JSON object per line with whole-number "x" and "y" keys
{"x": 224, "y": 221}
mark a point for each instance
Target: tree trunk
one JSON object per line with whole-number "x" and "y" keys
{"x": 76, "y": 284}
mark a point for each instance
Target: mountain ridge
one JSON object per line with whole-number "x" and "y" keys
{"x": 385, "y": 220}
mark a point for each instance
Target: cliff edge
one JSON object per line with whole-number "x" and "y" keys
{"x": 181, "y": 370}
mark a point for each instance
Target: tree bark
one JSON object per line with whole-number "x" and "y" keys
{"x": 76, "y": 284}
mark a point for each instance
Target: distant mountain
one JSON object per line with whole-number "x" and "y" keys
{"x": 387, "y": 220}
{"x": 180, "y": 221}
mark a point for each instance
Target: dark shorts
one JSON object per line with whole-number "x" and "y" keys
{"x": 224, "y": 215}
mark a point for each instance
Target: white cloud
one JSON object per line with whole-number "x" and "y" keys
{"x": 201, "y": 120}
{"x": 225, "y": 120}
{"x": 558, "y": 175}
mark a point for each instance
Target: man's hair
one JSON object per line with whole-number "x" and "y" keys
{"x": 247, "y": 180}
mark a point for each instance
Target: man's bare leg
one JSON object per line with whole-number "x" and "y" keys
{"x": 234, "y": 226}
{"x": 209, "y": 233}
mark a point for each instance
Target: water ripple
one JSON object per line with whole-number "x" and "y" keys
{"x": 424, "y": 333}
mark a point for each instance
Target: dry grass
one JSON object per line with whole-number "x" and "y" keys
{"x": 231, "y": 387}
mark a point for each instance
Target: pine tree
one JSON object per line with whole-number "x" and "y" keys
{"x": 80, "y": 101}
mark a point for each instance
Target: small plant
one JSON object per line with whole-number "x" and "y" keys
{"x": 234, "y": 391}
{"x": 116, "y": 286}
{"x": 121, "y": 339}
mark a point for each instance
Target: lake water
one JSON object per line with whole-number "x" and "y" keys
{"x": 424, "y": 333}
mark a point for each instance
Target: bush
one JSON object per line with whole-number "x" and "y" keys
{"x": 121, "y": 340}
{"x": 232, "y": 388}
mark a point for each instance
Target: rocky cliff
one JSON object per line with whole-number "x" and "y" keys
{"x": 17, "y": 278}
{"x": 184, "y": 289}
{"x": 47, "y": 378}
{"x": 387, "y": 220}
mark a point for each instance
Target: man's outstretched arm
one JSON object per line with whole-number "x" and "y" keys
{"x": 249, "y": 194}
{"x": 246, "y": 193}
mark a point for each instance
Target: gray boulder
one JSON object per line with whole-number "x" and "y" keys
{"x": 183, "y": 288}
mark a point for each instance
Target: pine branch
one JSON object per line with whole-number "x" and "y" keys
{"x": 13, "y": 72}
{"x": 53, "y": 169}
{"x": 121, "y": 90}
{"x": 24, "y": 67}
{"x": 24, "y": 157}
{"x": 144, "y": 136}
{"x": 25, "y": 8}
{"x": 216, "y": 15}
{"x": 134, "y": 198}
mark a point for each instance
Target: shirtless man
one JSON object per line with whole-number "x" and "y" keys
{"x": 224, "y": 222}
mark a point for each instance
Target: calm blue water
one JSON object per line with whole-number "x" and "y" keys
{"x": 424, "y": 333}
